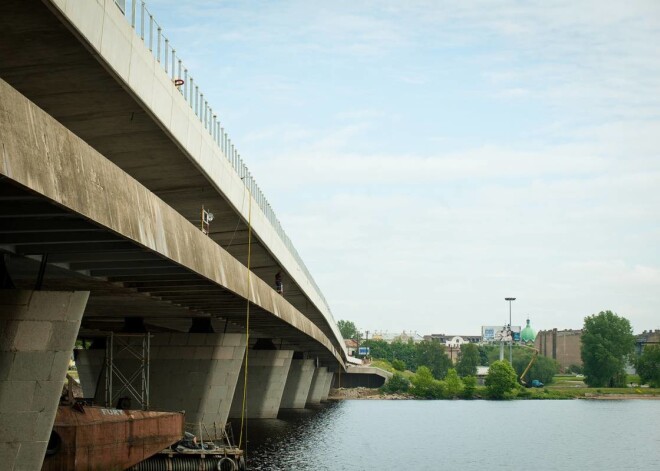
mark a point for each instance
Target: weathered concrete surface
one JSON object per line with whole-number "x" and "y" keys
{"x": 42, "y": 155}
{"x": 326, "y": 386}
{"x": 196, "y": 373}
{"x": 317, "y": 388}
{"x": 267, "y": 375}
{"x": 363, "y": 376}
{"x": 297, "y": 385}
{"x": 37, "y": 332}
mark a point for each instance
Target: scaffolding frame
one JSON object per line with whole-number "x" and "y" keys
{"x": 138, "y": 347}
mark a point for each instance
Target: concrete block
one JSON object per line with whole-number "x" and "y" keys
{"x": 8, "y": 454}
{"x": 204, "y": 353}
{"x": 31, "y": 366}
{"x": 18, "y": 426}
{"x": 6, "y": 360}
{"x": 60, "y": 365}
{"x": 32, "y": 335}
{"x": 46, "y": 394}
{"x": 179, "y": 339}
{"x": 31, "y": 455}
{"x": 16, "y": 396}
{"x": 233, "y": 340}
{"x": 63, "y": 336}
{"x": 224, "y": 353}
{"x": 160, "y": 339}
{"x": 8, "y": 331}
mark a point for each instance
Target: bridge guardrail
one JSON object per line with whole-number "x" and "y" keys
{"x": 147, "y": 28}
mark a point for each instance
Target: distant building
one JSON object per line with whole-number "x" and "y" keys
{"x": 454, "y": 341}
{"x": 561, "y": 345}
{"x": 394, "y": 337}
{"x": 351, "y": 346}
{"x": 651, "y": 337}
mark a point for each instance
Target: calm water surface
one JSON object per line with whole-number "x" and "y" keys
{"x": 460, "y": 435}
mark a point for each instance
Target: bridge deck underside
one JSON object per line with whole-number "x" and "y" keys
{"x": 125, "y": 279}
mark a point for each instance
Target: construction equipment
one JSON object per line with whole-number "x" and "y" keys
{"x": 529, "y": 365}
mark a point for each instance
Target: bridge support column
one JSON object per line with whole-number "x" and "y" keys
{"x": 318, "y": 385}
{"x": 197, "y": 373}
{"x": 267, "y": 376}
{"x": 328, "y": 384}
{"x": 297, "y": 385}
{"x": 38, "y": 330}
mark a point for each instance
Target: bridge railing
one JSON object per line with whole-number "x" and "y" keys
{"x": 147, "y": 28}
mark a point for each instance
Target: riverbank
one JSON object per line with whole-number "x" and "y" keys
{"x": 341, "y": 394}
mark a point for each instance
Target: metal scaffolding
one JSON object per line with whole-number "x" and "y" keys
{"x": 132, "y": 374}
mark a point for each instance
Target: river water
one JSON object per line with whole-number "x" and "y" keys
{"x": 460, "y": 435}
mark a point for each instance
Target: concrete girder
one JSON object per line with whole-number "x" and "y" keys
{"x": 99, "y": 192}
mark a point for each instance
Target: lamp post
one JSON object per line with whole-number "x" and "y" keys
{"x": 510, "y": 331}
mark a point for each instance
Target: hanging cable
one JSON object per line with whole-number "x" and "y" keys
{"x": 247, "y": 331}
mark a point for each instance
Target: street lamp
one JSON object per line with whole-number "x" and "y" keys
{"x": 510, "y": 331}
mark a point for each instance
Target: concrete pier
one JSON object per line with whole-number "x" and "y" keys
{"x": 38, "y": 330}
{"x": 196, "y": 373}
{"x": 267, "y": 376}
{"x": 318, "y": 385}
{"x": 326, "y": 386}
{"x": 297, "y": 385}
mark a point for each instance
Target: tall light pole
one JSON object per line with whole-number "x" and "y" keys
{"x": 510, "y": 331}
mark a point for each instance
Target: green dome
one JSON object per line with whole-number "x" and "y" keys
{"x": 527, "y": 334}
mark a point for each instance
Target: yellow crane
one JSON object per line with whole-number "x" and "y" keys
{"x": 529, "y": 365}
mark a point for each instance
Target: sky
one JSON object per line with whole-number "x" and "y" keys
{"x": 430, "y": 158}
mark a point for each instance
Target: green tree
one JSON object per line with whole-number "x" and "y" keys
{"x": 469, "y": 387}
{"x": 396, "y": 384}
{"x": 468, "y": 360}
{"x": 483, "y": 354}
{"x": 607, "y": 341}
{"x": 406, "y": 352}
{"x": 347, "y": 329}
{"x": 453, "y": 384}
{"x": 378, "y": 349}
{"x": 544, "y": 369}
{"x": 432, "y": 354}
{"x": 425, "y": 386}
{"x": 648, "y": 366}
{"x": 501, "y": 379}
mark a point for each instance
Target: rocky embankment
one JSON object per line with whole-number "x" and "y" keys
{"x": 363, "y": 393}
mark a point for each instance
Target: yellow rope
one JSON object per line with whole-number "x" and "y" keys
{"x": 247, "y": 329}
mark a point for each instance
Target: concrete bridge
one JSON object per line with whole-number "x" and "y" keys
{"x": 106, "y": 162}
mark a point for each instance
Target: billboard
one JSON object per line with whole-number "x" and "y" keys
{"x": 363, "y": 351}
{"x": 500, "y": 333}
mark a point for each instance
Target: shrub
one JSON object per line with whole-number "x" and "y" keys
{"x": 469, "y": 386}
{"x": 398, "y": 365}
{"x": 453, "y": 384}
{"x": 501, "y": 379}
{"x": 396, "y": 384}
{"x": 425, "y": 386}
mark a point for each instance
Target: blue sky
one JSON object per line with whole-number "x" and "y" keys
{"x": 429, "y": 158}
